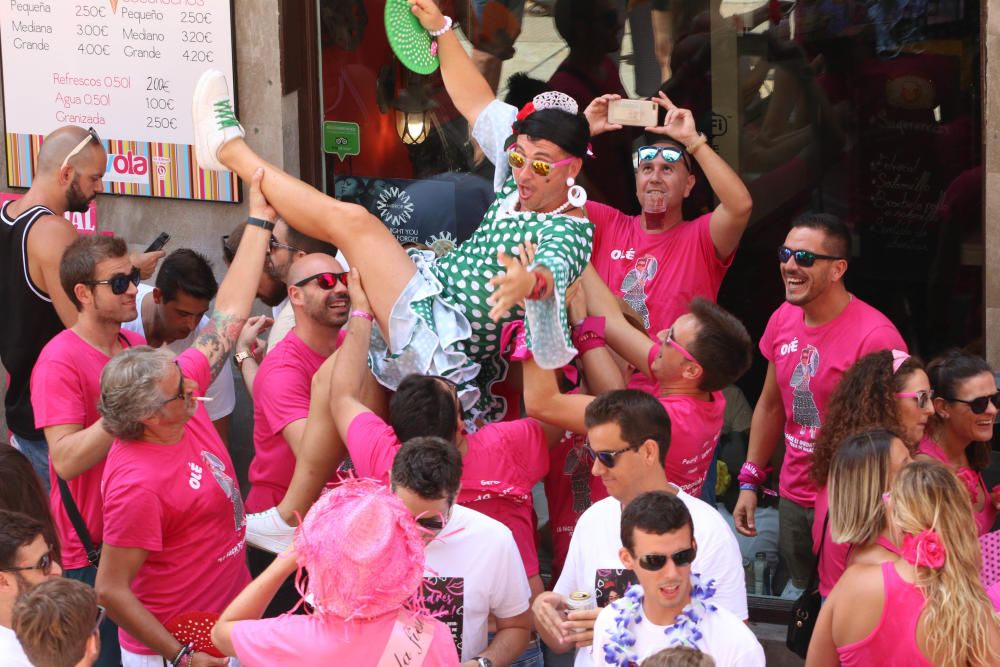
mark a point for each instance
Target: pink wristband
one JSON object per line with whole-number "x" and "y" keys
{"x": 363, "y": 315}
{"x": 750, "y": 473}
{"x": 589, "y": 334}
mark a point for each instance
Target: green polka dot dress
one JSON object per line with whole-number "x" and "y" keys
{"x": 441, "y": 320}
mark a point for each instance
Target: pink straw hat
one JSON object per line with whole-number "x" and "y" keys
{"x": 363, "y": 551}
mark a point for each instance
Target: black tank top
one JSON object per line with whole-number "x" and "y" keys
{"x": 28, "y": 320}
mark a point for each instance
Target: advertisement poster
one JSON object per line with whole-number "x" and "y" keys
{"x": 85, "y": 222}
{"x": 127, "y": 69}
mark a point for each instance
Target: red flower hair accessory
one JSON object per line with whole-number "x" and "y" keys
{"x": 925, "y": 550}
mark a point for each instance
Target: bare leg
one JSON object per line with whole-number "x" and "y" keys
{"x": 368, "y": 245}
{"x": 320, "y": 457}
{"x": 663, "y": 40}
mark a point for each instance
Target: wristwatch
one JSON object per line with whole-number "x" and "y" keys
{"x": 240, "y": 357}
{"x": 484, "y": 662}
{"x": 260, "y": 222}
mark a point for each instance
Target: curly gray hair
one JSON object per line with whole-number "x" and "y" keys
{"x": 130, "y": 389}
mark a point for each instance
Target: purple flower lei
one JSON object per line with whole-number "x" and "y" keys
{"x": 619, "y": 649}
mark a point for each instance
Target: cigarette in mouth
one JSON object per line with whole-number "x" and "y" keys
{"x": 204, "y": 399}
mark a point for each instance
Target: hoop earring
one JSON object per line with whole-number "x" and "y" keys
{"x": 576, "y": 195}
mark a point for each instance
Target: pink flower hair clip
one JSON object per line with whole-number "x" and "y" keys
{"x": 925, "y": 550}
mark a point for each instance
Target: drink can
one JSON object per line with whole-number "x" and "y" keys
{"x": 580, "y": 601}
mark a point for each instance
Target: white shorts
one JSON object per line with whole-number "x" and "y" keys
{"x": 130, "y": 659}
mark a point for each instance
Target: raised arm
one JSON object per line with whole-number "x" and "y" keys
{"x": 468, "y": 90}
{"x": 351, "y": 367}
{"x": 239, "y": 287}
{"x": 544, "y": 401}
{"x": 626, "y": 340}
{"x": 730, "y": 218}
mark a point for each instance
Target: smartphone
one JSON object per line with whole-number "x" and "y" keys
{"x": 641, "y": 113}
{"x": 159, "y": 242}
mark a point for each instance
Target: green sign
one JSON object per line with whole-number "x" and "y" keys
{"x": 341, "y": 139}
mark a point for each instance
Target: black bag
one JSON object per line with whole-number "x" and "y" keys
{"x": 806, "y": 608}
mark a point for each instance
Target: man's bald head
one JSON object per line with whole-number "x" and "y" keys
{"x": 60, "y": 143}
{"x": 312, "y": 264}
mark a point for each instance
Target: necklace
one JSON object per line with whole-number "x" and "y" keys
{"x": 565, "y": 207}
{"x": 619, "y": 649}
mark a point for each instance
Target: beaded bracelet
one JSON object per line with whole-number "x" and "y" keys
{"x": 445, "y": 28}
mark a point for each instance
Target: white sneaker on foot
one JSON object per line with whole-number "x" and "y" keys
{"x": 268, "y": 531}
{"x": 214, "y": 120}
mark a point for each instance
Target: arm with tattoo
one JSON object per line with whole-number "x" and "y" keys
{"x": 239, "y": 287}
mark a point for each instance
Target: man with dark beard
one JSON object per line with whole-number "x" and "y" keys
{"x": 317, "y": 292}
{"x": 33, "y": 236}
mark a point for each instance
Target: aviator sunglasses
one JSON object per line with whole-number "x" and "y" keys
{"x": 978, "y": 405}
{"x": 670, "y": 154}
{"x": 326, "y": 280}
{"x": 803, "y": 258}
{"x": 118, "y": 282}
{"x": 518, "y": 160}
{"x": 655, "y": 562}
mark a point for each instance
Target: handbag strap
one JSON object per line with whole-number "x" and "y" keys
{"x": 73, "y": 512}
{"x": 814, "y": 576}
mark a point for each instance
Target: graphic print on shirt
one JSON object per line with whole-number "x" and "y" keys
{"x": 444, "y": 598}
{"x": 610, "y": 584}
{"x": 804, "y": 410}
{"x": 634, "y": 285}
{"x": 577, "y": 468}
{"x": 228, "y": 487}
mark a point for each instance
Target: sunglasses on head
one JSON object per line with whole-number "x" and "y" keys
{"x": 44, "y": 564}
{"x": 803, "y": 258}
{"x": 118, "y": 282}
{"x": 326, "y": 280}
{"x": 656, "y": 562}
{"x": 923, "y": 397}
{"x": 978, "y": 405}
{"x": 91, "y": 136}
{"x": 670, "y": 154}
{"x": 518, "y": 160}
{"x": 608, "y": 458}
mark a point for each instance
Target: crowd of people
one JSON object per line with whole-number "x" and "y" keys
{"x": 407, "y": 406}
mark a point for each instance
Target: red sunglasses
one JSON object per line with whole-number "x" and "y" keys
{"x": 326, "y": 280}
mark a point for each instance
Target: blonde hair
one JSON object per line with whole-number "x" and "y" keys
{"x": 958, "y": 618}
{"x": 859, "y": 475}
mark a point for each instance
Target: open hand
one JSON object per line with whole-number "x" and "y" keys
{"x": 428, "y": 13}
{"x": 678, "y": 124}
{"x": 597, "y": 114}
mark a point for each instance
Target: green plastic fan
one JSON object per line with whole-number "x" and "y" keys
{"x": 408, "y": 39}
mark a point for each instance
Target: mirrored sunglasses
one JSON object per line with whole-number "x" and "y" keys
{"x": 803, "y": 258}
{"x": 326, "y": 280}
{"x": 518, "y": 160}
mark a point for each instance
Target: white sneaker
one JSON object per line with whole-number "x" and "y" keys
{"x": 268, "y": 531}
{"x": 215, "y": 122}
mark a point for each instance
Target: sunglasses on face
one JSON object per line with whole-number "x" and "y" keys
{"x": 44, "y": 564}
{"x": 273, "y": 243}
{"x": 670, "y": 154}
{"x": 91, "y": 136}
{"x": 434, "y": 524}
{"x": 672, "y": 342}
{"x": 518, "y": 160}
{"x": 608, "y": 458}
{"x": 182, "y": 395}
{"x": 978, "y": 405}
{"x": 656, "y": 562}
{"x": 326, "y": 280}
{"x": 118, "y": 282}
{"x": 803, "y": 258}
{"x": 923, "y": 397}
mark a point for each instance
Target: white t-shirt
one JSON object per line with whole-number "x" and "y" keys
{"x": 724, "y": 637}
{"x": 593, "y": 564}
{"x": 473, "y": 570}
{"x": 11, "y": 653}
{"x": 222, "y": 392}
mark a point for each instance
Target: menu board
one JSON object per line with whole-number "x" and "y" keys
{"x": 126, "y": 68}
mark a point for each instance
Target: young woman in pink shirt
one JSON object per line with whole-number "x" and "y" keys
{"x": 882, "y": 390}
{"x": 926, "y": 608}
{"x": 965, "y": 407}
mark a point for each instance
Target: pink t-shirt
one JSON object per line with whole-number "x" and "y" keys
{"x": 695, "y": 427}
{"x": 987, "y": 514}
{"x": 182, "y": 504}
{"x": 281, "y": 396}
{"x": 504, "y": 461}
{"x": 570, "y": 489}
{"x": 808, "y": 363}
{"x": 657, "y": 274}
{"x": 65, "y": 389}
{"x": 321, "y": 640}
{"x": 833, "y": 560}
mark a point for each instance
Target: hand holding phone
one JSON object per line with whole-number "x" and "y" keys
{"x": 639, "y": 113}
{"x": 159, "y": 242}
